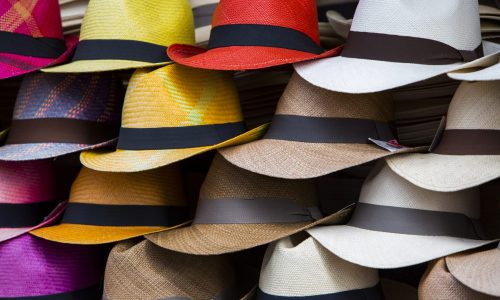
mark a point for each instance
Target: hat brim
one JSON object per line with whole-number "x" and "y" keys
{"x": 446, "y": 173}
{"x": 298, "y": 160}
{"x": 101, "y": 65}
{"x": 141, "y": 160}
{"x": 486, "y": 74}
{"x": 12, "y": 65}
{"x": 93, "y": 235}
{"x": 478, "y": 271}
{"x": 214, "y": 239}
{"x": 384, "y": 250}
{"x": 240, "y": 57}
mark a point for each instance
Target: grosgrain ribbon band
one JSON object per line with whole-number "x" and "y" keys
{"x": 120, "y": 50}
{"x": 60, "y": 130}
{"x": 178, "y": 137}
{"x": 404, "y": 49}
{"x": 262, "y": 36}
{"x": 93, "y": 292}
{"x": 25, "y": 45}
{"x": 372, "y": 293}
{"x": 124, "y": 215}
{"x": 21, "y": 215}
{"x": 253, "y": 211}
{"x": 414, "y": 221}
{"x": 469, "y": 142}
{"x": 327, "y": 130}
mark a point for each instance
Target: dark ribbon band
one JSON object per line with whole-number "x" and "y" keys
{"x": 371, "y": 293}
{"x": 24, "y": 215}
{"x": 61, "y": 131}
{"x": 469, "y": 142}
{"x": 21, "y": 44}
{"x": 93, "y": 292}
{"x": 124, "y": 215}
{"x": 327, "y": 130}
{"x": 404, "y": 49}
{"x": 414, "y": 221}
{"x": 120, "y": 50}
{"x": 203, "y": 15}
{"x": 262, "y": 36}
{"x": 178, "y": 137}
{"x": 253, "y": 211}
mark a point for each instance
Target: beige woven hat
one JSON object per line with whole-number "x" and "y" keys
{"x": 146, "y": 271}
{"x": 299, "y": 267}
{"x": 316, "y": 132}
{"x": 439, "y": 283}
{"x": 479, "y": 271}
{"x": 468, "y": 153}
{"x": 403, "y": 225}
{"x": 239, "y": 210}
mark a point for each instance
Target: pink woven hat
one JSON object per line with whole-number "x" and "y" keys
{"x": 58, "y": 114}
{"x": 27, "y": 194}
{"x": 31, "y": 37}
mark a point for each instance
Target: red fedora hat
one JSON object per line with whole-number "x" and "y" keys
{"x": 257, "y": 34}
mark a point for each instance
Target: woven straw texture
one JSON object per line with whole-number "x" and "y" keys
{"x": 304, "y": 268}
{"x": 225, "y": 181}
{"x": 161, "y": 186}
{"x": 438, "y": 283}
{"x": 173, "y": 96}
{"x": 474, "y": 106}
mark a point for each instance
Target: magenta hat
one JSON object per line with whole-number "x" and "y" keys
{"x": 27, "y": 197}
{"x": 31, "y": 37}
{"x": 33, "y": 267}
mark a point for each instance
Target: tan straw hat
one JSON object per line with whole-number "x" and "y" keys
{"x": 439, "y": 283}
{"x": 397, "y": 224}
{"x": 298, "y": 267}
{"x": 468, "y": 153}
{"x": 108, "y": 207}
{"x": 146, "y": 271}
{"x": 316, "y": 132}
{"x": 239, "y": 210}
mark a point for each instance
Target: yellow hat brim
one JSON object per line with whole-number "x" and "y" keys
{"x": 142, "y": 160}
{"x": 87, "y": 66}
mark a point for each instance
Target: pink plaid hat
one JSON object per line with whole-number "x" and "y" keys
{"x": 27, "y": 194}
{"x": 31, "y": 36}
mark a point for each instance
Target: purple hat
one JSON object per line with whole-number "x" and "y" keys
{"x": 57, "y": 114}
{"x": 33, "y": 267}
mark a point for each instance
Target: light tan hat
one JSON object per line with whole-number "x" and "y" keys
{"x": 479, "y": 271}
{"x": 468, "y": 153}
{"x": 439, "y": 283}
{"x": 316, "y": 132}
{"x": 146, "y": 271}
{"x": 239, "y": 210}
{"x": 397, "y": 224}
{"x": 298, "y": 267}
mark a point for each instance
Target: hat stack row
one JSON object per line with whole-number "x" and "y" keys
{"x": 265, "y": 149}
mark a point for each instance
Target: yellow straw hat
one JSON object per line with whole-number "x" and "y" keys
{"x": 171, "y": 114}
{"x": 126, "y": 34}
{"x": 108, "y": 207}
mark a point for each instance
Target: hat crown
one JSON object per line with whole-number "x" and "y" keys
{"x": 475, "y": 105}
{"x": 453, "y": 22}
{"x": 92, "y": 97}
{"x": 306, "y": 268}
{"x": 300, "y": 15}
{"x": 304, "y": 99}
{"x": 36, "y": 18}
{"x": 131, "y": 20}
{"x": 177, "y": 96}
{"x": 384, "y": 187}
{"x": 161, "y": 186}
{"x": 27, "y": 182}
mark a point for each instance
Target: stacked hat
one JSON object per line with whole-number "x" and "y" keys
{"x": 239, "y": 210}
{"x": 203, "y": 11}
{"x": 72, "y": 13}
{"x": 479, "y": 74}
{"x": 121, "y": 34}
{"x": 31, "y": 37}
{"x": 489, "y": 11}
{"x": 107, "y": 207}
{"x": 173, "y": 113}
{"x": 57, "y": 114}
